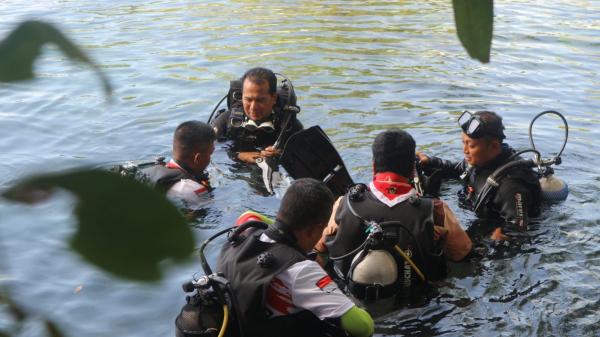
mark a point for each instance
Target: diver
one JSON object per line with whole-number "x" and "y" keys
{"x": 384, "y": 239}
{"x": 183, "y": 177}
{"x": 517, "y": 196}
{"x": 260, "y": 117}
{"x": 278, "y": 290}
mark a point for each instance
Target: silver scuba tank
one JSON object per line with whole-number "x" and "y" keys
{"x": 377, "y": 267}
{"x": 554, "y": 188}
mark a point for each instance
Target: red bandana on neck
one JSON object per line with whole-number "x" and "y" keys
{"x": 391, "y": 188}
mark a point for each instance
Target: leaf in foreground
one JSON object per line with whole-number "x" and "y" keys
{"x": 474, "y": 25}
{"x": 124, "y": 226}
{"x": 22, "y": 46}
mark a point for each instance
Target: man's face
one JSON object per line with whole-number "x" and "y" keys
{"x": 258, "y": 103}
{"x": 480, "y": 151}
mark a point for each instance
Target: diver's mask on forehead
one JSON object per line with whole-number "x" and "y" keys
{"x": 474, "y": 127}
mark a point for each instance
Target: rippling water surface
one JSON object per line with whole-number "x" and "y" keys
{"x": 359, "y": 67}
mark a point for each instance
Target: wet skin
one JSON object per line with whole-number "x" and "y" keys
{"x": 481, "y": 151}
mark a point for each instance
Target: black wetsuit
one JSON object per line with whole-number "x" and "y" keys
{"x": 245, "y": 140}
{"x": 516, "y": 199}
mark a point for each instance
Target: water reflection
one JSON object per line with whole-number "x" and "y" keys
{"x": 359, "y": 67}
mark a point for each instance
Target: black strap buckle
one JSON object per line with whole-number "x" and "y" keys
{"x": 372, "y": 292}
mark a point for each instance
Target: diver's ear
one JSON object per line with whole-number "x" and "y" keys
{"x": 197, "y": 157}
{"x": 495, "y": 145}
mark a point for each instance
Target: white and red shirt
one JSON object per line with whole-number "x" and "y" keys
{"x": 189, "y": 191}
{"x": 305, "y": 286}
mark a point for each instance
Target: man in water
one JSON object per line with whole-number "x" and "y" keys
{"x": 517, "y": 196}
{"x": 183, "y": 177}
{"x": 420, "y": 235}
{"x": 280, "y": 291}
{"x": 262, "y": 122}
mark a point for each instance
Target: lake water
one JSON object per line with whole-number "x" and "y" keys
{"x": 359, "y": 67}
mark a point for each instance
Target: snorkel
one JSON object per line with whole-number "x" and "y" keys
{"x": 553, "y": 189}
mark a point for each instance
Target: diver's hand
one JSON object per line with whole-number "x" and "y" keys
{"x": 423, "y": 158}
{"x": 497, "y": 235}
{"x": 270, "y": 151}
{"x": 248, "y": 157}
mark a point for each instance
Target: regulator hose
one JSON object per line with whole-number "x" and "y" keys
{"x": 552, "y": 112}
{"x": 215, "y": 109}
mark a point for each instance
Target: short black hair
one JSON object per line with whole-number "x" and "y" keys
{"x": 306, "y": 202}
{"x": 259, "y": 75}
{"x": 192, "y": 136}
{"x": 493, "y": 125}
{"x": 394, "y": 151}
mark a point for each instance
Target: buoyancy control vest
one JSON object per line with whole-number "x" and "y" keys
{"x": 283, "y": 120}
{"x": 474, "y": 180}
{"x": 250, "y": 264}
{"x": 162, "y": 177}
{"x": 413, "y": 235}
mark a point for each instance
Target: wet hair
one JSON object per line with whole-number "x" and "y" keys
{"x": 493, "y": 125}
{"x": 260, "y": 75}
{"x": 306, "y": 202}
{"x": 394, "y": 151}
{"x": 191, "y": 137}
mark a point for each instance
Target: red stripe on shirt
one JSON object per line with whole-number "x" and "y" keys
{"x": 201, "y": 190}
{"x": 324, "y": 281}
{"x": 279, "y": 297}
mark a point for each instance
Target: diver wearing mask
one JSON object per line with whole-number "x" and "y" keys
{"x": 518, "y": 194}
{"x": 259, "y": 115}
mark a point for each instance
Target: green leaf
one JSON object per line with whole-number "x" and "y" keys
{"x": 21, "y": 47}
{"x": 474, "y": 25}
{"x": 124, "y": 226}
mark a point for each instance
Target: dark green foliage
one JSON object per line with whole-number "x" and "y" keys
{"x": 124, "y": 227}
{"x": 474, "y": 25}
{"x": 20, "y": 49}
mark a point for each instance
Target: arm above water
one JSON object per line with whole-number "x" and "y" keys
{"x": 313, "y": 290}
{"x": 455, "y": 241}
{"x": 331, "y": 228}
{"x": 515, "y": 202}
{"x": 449, "y": 169}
